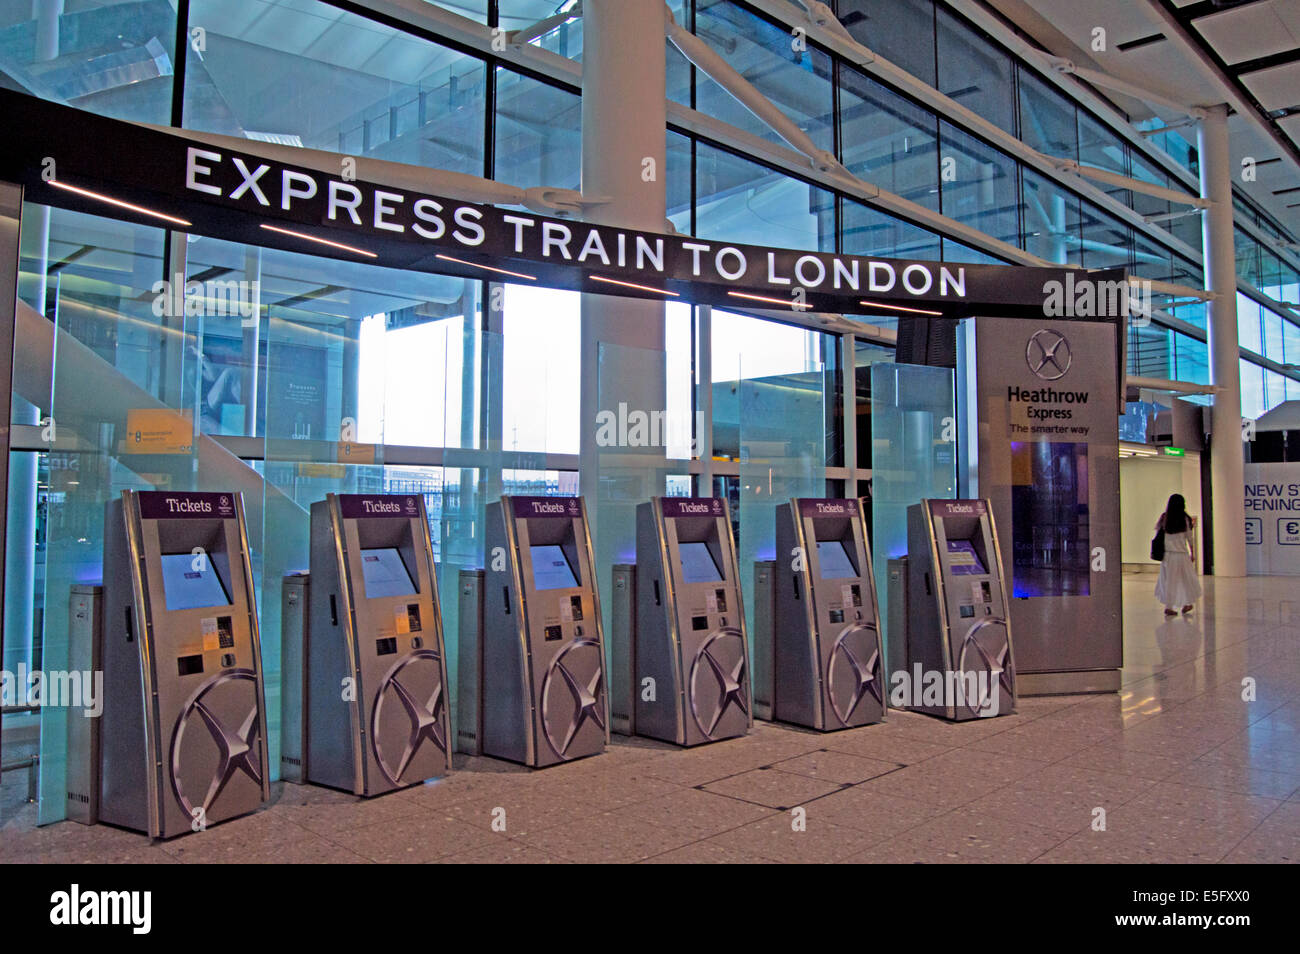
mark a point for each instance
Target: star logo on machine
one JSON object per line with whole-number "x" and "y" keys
{"x": 424, "y": 719}
{"x": 987, "y": 639}
{"x": 237, "y": 751}
{"x": 585, "y": 695}
{"x": 865, "y": 675}
{"x": 728, "y": 678}
{"x": 1048, "y": 354}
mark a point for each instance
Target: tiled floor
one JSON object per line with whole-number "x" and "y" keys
{"x": 1181, "y": 766}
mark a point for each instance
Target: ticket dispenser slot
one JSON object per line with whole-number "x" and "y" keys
{"x": 957, "y": 601}
{"x": 375, "y": 677}
{"x": 183, "y": 740}
{"x": 830, "y": 670}
{"x": 690, "y": 633}
{"x": 543, "y": 659}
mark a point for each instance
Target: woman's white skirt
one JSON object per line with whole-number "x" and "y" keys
{"x": 1178, "y": 584}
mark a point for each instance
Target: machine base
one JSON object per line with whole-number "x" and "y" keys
{"x": 1067, "y": 683}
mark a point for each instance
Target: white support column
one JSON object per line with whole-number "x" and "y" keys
{"x": 623, "y": 155}
{"x": 1227, "y": 469}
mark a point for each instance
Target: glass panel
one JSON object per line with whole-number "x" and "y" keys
{"x": 741, "y": 201}
{"x": 1253, "y": 402}
{"x": 678, "y": 182}
{"x": 797, "y": 81}
{"x": 869, "y": 231}
{"x": 979, "y": 186}
{"x": 117, "y": 349}
{"x": 1249, "y": 326}
{"x": 1191, "y": 360}
{"x": 677, "y": 69}
{"x": 974, "y": 70}
{"x": 1101, "y": 148}
{"x": 1150, "y": 351}
{"x": 541, "y": 370}
{"x": 1052, "y": 217}
{"x": 114, "y": 59}
{"x": 783, "y": 434}
{"x": 887, "y": 140}
{"x": 308, "y": 74}
{"x": 1107, "y": 242}
{"x": 911, "y": 409}
{"x": 564, "y": 39}
{"x": 1272, "y": 334}
{"x": 1047, "y": 119}
{"x": 538, "y": 133}
{"x": 901, "y": 31}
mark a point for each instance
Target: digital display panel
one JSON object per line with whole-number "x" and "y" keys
{"x": 698, "y": 565}
{"x": 184, "y": 587}
{"x": 385, "y": 574}
{"x": 1050, "y": 548}
{"x": 963, "y": 560}
{"x": 834, "y": 560}
{"x": 551, "y": 569}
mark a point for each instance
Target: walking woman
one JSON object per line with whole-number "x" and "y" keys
{"x": 1179, "y": 584}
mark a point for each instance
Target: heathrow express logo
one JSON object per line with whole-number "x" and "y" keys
{"x": 728, "y": 678}
{"x": 1048, "y": 354}
{"x": 425, "y": 719}
{"x": 238, "y": 750}
{"x": 586, "y": 702}
{"x": 856, "y": 648}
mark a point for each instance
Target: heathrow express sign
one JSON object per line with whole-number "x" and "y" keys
{"x": 72, "y": 159}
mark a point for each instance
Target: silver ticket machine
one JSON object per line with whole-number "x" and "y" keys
{"x": 959, "y": 661}
{"x": 692, "y": 656}
{"x": 183, "y": 739}
{"x": 545, "y": 696}
{"x": 375, "y": 677}
{"x": 829, "y": 662}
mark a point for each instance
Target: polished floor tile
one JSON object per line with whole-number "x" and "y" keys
{"x": 1196, "y": 758}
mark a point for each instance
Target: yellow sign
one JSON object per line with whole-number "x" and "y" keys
{"x": 158, "y": 430}
{"x": 336, "y": 471}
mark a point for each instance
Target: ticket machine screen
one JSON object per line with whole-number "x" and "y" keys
{"x": 834, "y": 560}
{"x": 698, "y": 565}
{"x": 551, "y": 570}
{"x": 185, "y": 587}
{"x": 385, "y": 573}
{"x": 963, "y": 559}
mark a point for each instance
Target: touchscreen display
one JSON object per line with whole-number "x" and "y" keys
{"x": 963, "y": 560}
{"x": 385, "y": 574}
{"x": 834, "y": 560}
{"x": 187, "y": 588}
{"x": 698, "y": 565}
{"x": 551, "y": 570}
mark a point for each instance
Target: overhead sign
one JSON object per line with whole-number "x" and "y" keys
{"x": 242, "y": 197}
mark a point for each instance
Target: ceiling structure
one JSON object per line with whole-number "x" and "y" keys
{"x": 1201, "y": 53}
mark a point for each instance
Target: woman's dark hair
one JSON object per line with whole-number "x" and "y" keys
{"x": 1176, "y": 514}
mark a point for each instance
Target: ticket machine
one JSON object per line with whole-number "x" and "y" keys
{"x": 829, "y": 663}
{"x": 690, "y": 624}
{"x": 957, "y": 601}
{"x": 375, "y": 679}
{"x": 544, "y": 697}
{"x": 183, "y": 739}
